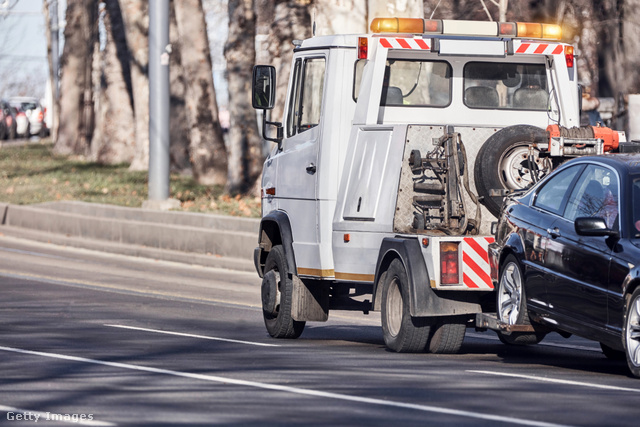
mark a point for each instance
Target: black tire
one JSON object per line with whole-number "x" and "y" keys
{"x": 281, "y": 325}
{"x": 502, "y": 163}
{"x": 511, "y": 304}
{"x": 402, "y": 333}
{"x": 631, "y": 332}
{"x": 447, "y": 335}
{"x": 612, "y": 353}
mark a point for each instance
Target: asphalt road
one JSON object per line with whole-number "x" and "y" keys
{"x": 108, "y": 340}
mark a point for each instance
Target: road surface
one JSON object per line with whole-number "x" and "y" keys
{"x": 108, "y": 340}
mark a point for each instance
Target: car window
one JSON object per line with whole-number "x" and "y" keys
{"x": 636, "y": 208}
{"x": 595, "y": 194}
{"x": 306, "y": 95}
{"x": 552, "y": 196}
{"x": 416, "y": 84}
{"x": 498, "y": 85}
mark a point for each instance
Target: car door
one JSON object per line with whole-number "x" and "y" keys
{"x": 580, "y": 264}
{"x": 548, "y": 204}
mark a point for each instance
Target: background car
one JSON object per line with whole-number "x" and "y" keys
{"x": 9, "y": 119}
{"x": 23, "y": 127}
{"x": 567, "y": 255}
{"x": 34, "y": 111}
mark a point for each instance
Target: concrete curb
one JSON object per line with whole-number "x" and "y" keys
{"x": 210, "y": 240}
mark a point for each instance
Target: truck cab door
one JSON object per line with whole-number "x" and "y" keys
{"x": 297, "y": 162}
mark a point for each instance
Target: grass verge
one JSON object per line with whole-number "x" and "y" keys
{"x": 34, "y": 174}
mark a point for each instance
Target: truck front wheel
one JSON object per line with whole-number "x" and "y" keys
{"x": 402, "y": 333}
{"x": 277, "y": 291}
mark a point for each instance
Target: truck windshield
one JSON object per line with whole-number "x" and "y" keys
{"x": 506, "y": 86}
{"x": 416, "y": 84}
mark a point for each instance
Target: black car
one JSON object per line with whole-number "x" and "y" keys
{"x": 566, "y": 256}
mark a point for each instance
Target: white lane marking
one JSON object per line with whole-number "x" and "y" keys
{"x": 51, "y": 416}
{"x": 546, "y": 344}
{"x": 553, "y": 380}
{"x": 286, "y": 389}
{"x": 204, "y": 337}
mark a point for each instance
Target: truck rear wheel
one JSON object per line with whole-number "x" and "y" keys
{"x": 448, "y": 334}
{"x": 402, "y": 333}
{"x": 506, "y": 162}
{"x": 277, "y": 291}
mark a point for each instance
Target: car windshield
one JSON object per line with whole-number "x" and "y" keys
{"x": 636, "y": 208}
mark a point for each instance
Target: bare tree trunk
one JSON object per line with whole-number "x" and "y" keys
{"x": 292, "y": 22}
{"x": 76, "y": 106}
{"x": 245, "y": 145}
{"x": 206, "y": 150}
{"x": 178, "y": 126}
{"x": 136, "y": 20}
{"x": 55, "y": 107}
{"x": 343, "y": 16}
{"x": 114, "y": 140}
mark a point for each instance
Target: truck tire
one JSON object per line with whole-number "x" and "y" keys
{"x": 402, "y": 333}
{"x": 447, "y": 335}
{"x": 503, "y": 163}
{"x": 512, "y": 304}
{"x": 278, "y": 320}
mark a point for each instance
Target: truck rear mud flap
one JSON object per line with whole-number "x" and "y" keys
{"x": 486, "y": 321}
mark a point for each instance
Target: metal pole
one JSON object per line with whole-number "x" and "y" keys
{"x": 55, "y": 63}
{"x": 159, "y": 50}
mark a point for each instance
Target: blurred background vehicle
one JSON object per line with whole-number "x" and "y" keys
{"x": 34, "y": 112}
{"x": 23, "y": 127}
{"x": 9, "y": 119}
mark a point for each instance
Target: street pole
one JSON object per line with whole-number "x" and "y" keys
{"x": 159, "y": 50}
{"x": 55, "y": 53}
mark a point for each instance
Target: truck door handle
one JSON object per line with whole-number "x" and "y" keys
{"x": 554, "y": 233}
{"x": 311, "y": 168}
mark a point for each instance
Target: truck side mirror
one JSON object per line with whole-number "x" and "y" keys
{"x": 264, "y": 87}
{"x": 263, "y": 97}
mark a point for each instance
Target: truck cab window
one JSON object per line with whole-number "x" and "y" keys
{"x": 506, "y": 86}
{"x": 305, "y": 104}
{"x": 416, "y": 84}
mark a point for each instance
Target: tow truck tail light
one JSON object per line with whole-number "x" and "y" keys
{"x": 433, "y": 26}
{"x": 530, "y": 30}
{"x": 568, "y": 55}
{"x": 449, "y": 269}
{"x": 363, "y": 47}
{"x": 552, "y": 32}
{"x": 508, "y": 29}
{"x": 398, "y": 25}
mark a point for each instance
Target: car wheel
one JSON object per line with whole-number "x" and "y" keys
{"x": 504, "y": 162}
{"x": 631, "y": 332}
{"x": 277, "y": 293}
{"x": 512, "y": 304}
{"x": 402, "y": 333}
{"x": 447, "y": 335}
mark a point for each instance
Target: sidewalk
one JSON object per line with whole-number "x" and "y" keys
{"x": 192, "y": 238}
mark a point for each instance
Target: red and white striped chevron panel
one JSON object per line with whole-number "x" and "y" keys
{"x": 476, "y": 271}
{"x": 540, "y": 48}
{"x": 403, "y": 43}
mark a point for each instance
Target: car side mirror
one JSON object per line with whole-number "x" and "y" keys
{"x": 264, "y": 87}
{"x": 588, "y": 226}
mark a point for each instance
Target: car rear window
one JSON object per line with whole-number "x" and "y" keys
{"x": 552, "y": 196}
{"x": 506, "y": 86}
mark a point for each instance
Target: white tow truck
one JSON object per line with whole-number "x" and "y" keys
{"x": 392, "y": 159}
